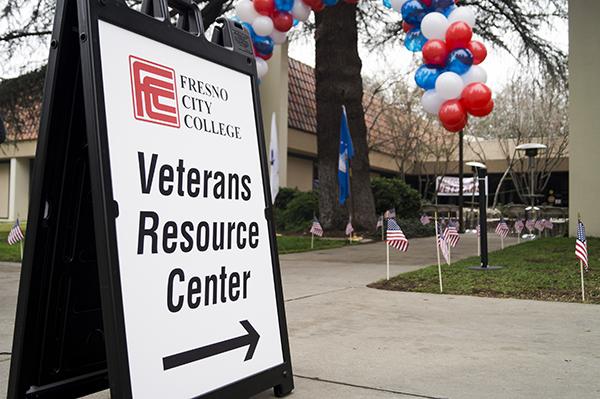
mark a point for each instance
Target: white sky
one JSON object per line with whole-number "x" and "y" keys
{"x": 499, "y": 64}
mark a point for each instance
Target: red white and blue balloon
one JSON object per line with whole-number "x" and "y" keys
{"x": 269, "y": 21}
{"x": 453, "y": 80}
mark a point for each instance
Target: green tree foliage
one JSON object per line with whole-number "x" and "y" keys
{"x": 394, "y": 193}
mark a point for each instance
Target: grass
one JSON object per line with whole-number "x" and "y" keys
{"x": 8, "y": 253}
{"x": 293, "y": 244}
{"x": 543, "y": 269}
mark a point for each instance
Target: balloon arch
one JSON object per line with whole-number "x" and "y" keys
{"x": 451, "y": 76}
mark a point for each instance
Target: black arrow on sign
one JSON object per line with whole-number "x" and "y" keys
{"x": 193, "y": 355}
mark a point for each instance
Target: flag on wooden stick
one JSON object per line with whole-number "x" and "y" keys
{"x": 425, "y": 220}
{"x": 519, "y": 226}
{"x": 443, "y": 245}
{"x": 16, "y": 234}
{"x": 349, "y": 228}
{"x": 395, "y": 238}
{"x": 316, "y": 228}
{"x": 502, "y": 228}
{"x": 581, "y": 245}
{"x": 451, "y": 233}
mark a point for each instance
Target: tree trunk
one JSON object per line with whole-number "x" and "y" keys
{"x": 338, "y": 82}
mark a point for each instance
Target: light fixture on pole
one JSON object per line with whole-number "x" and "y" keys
{"x": 481, "y": 171}
{"x": 531, "y": 151}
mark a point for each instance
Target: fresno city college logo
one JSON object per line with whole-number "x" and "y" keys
{"x": 154, "y": 92}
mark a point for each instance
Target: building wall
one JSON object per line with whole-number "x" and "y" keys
{"x": 300, "y": 173}
{"x": 274, "y": 99}
{"x": 584, "y": 86}
{"x": 4, "y": 188}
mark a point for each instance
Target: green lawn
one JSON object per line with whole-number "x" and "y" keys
{"x": 291, "y": 244}
{"x": 543, "y": 269}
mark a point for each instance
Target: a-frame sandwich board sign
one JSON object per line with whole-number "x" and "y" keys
{"x": 151, "y": 264}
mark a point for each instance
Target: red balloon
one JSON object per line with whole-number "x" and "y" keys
{"x": 426, "y": 2}
{"x": 478, "y": 50}
{"x": 435, "y": 52}
{"x": 476, "y": 96}
{"x": 453, "y": 115}
{"x": 458, "y": 35}
{"x": 483, "y": 111}
{"x": 283, "y": 21}
{"x": 265, "y": 57}
{"x": 264, "y": 7}
{"x": 406, "y": 27}
{"x": 317, "y": 5}
{"x": 352, "y": 1}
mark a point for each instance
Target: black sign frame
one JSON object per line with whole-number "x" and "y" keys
{"x": 71, "y": 237}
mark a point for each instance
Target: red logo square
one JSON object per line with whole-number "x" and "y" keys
{"x": 154, "y": 92}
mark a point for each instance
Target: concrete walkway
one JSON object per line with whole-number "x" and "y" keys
{"x": 349, "y": 341}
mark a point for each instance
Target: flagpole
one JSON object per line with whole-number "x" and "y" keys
{"x": 21, "y": 244}
{"x": 312, "y": 240}
{"x": 387, "y": 255}
{"x": 437, "y": 247}
{"x": 501, "y": 241}
{"x": 478, "y": 244}
{"x": 582, "y": 283}
{"x": 382, "y": 228}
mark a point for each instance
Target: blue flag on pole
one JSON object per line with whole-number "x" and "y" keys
{"x": 346, "y": 154}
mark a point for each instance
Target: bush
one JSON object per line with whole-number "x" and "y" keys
{"x": 284, "y": 196}
{"x": 412, "y": 228}
{"x": 299, "y": 212}
{"x": 394, "y": 193}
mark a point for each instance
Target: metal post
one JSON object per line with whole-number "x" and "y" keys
{"x": 481, "y": 172}
{"x": 531, "y": 179}
{"x": 461, "y": 221}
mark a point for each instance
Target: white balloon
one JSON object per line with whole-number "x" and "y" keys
{"x": 449, "y": 85}
{"x": 397, "y": 4}
{"x": 432, "y": 102}
{"x": 300, "y": 11}
{"x": 261, "y": 67}
{"x": 278, "y": 36}
{"x": 263, "y": 26}
{"x": 475, "y": 74}
{"x": 245, "y": 11}
{"x": 464, "y": 14}
{"x": 434, "y": 26}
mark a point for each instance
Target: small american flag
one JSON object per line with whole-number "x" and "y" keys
{"x": 519, "y": 226}
{"x": 15, "y": 235}
{"x": 349, "y": 228}
{"x": 451, "y": 234}
{"x": 502, "y": 228}
{"x": 443, "y": 244}
{"x": 549, "y": 225}
{"x": 581, "y": 245}
{"x": 530, "y": 225}
{"x": 540, "y": 225}
{"x": 395, "y": 238}
{"x": 316, "y": 228}
{"x": 425, "y": 220}
{"x": 379, "y": 223}
{"x": 390, "y": 214}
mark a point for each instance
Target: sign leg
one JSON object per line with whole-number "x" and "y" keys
{"x": 582, "y": 283}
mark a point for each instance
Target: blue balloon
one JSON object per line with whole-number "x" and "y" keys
{"x": 263, "y": 44}
{"x": 387, "y": 3}
{"x": 284, "y": 5}
{"x": 250, "y": 29}
{"x": 426, "y": 76}
{"x": 330, "y": 3}
{"x": 446, "y": 11}
{"x": 413, "y": 12}
{"x": 415, "y": 40}
{"x": 459, "y": 61}
{"x": 296, "y": 22}
{"x": 441, "y": 3}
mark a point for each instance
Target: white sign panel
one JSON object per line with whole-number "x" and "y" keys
{"x": 448, "y": 185}
{"x": 193, "y": 244}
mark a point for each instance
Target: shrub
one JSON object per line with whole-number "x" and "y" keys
{"x": 394, "y": 193}
{"x": 413, "y": 228}
{"x": 284, "y": 196}
{"x": 298, "y": 214}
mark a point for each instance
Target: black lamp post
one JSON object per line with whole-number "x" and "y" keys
{"x": 481, "y": 171}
